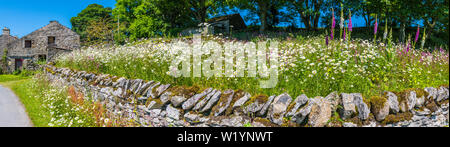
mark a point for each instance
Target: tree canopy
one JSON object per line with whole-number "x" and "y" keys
{"x": 150, "y": 18}
{"x": 84, "y": 22}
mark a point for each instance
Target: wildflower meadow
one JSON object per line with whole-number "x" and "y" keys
{"x": 314, "y": 66}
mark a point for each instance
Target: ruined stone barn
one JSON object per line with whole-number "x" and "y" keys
{"x": 41, "y": 45}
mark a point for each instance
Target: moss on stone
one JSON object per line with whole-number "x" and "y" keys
{"x": 402, "y": 97}
{"x": 266, "y": 122}
{"x": 377, "y": 103}
{"x": 221, "y": 102}
{"x": 391, "y": 118}
{"x": 237, "y": 95}
{"x": 261, "y": 98}
{"x": 183, "y": 91}
{"x": 154, "y": 88}
{"x": 335, "y": 120}
{"x": 148, "y": 102}
{"x": 443, "y": 102}
{"x": 421, "y": 93}
{"x": 288, "y": 123}
{"x": 115, "y": 78}
{"x": 290, "y": 107}
{"x": 367, "y": 101}
{"x": 359, "y": 122}
{"x": 158, "y": 101}
{"x": 201, "y": 89}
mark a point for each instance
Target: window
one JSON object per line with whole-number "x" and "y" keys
{"x": 51, "y": 40}
{"x": 27, "y": 43}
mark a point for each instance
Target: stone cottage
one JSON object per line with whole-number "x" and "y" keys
{"x": 40, "y": 45}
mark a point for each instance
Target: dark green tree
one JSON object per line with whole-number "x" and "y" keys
{"x": 152, "y": 18}
{"x": 93, "y": 12}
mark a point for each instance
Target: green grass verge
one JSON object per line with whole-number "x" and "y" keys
{"x": 46, "y": 105}
{"x": 38, "y": 115}
{"x": 7, "y": 78}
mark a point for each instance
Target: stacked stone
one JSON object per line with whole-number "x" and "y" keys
{"x": 152, "y": 103}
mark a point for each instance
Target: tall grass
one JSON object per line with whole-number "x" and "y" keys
{"x": 308, "y": 66}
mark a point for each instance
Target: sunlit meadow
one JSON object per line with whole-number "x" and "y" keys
{"x": 314, "y": 66}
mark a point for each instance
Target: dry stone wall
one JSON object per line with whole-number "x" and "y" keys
{"x": 158, "y": 104}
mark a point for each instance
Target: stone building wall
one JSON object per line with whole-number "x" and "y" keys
{"x": 5, "y": 39}
{"x": 158, "y": 104}
{"x": 65, "y": 41}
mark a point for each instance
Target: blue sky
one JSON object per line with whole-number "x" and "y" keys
{"x": 25, "y": 16}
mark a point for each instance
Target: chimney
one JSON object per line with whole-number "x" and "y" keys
{"x": 6, "y": 31}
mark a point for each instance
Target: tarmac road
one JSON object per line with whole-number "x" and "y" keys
{"x": 12, "y": 112}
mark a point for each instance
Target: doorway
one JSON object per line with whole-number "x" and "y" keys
{"x": 18, "y": 64}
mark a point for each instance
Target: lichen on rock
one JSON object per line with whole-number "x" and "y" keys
{"x": 320, "y": 112}
{"x": 379, "y": 107}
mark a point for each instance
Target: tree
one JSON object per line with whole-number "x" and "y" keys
{"x": 99, "y": 30}
{"x": 267, "y": 10}
{"x": 309, "y": 11}
{"x": 404, "y": 12}
{"x": 93, "y": 12}
{"x": 151, "y": 18}
{"x": 201, "y": 8}
{"x": 435, "y": 16}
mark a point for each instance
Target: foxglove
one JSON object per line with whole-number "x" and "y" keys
{"x": 344, "y": 35}
{"x": 350, "y": 25}
{"x": 407, "y": 48}
{"x": 417, "y": 34}
{"x": 385, "y": 30}
{"x": 376, "y": 27}
{"x": 333, "y": 19}
{"x": 332, "y": 35}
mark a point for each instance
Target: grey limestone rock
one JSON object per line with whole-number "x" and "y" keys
{"x": 187, "y": 105}
{"x": 265, "y": 107}
{"x": 363, "y": 108}
{"x": 334, "y": 100}
{"x": 203, "y": 101}
{"x": 212, "y": 101}
{"x": 177, "y": 100}
{"x": 224, "y": 103}
{"x": 443, "y": 94}
{"x": 278, "y": 108}
{"x": 298, "y": 102}
{"x": 320, "y": 112}
{"x": 173, "y": 113}
{"x": 241, "y": 101}
{"x": 393, "y": 102}
{"x": 303, "y": 113}
{"x": 348, "y": 106}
